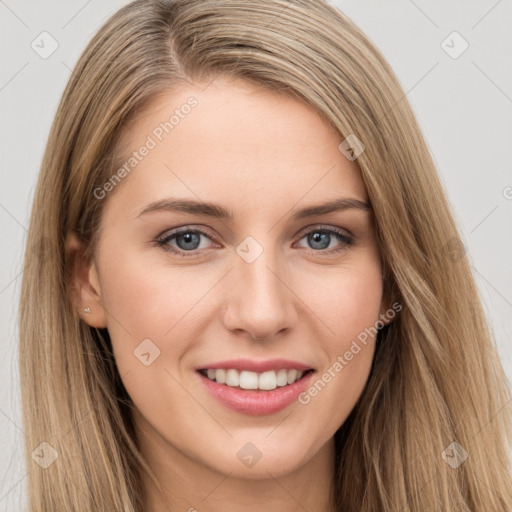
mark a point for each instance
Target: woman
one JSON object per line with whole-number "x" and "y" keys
{"x": 249, "y": 289}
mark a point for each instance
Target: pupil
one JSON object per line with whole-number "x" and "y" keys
{"x": 317, "y": 238}
{"x": 189, "y": 238}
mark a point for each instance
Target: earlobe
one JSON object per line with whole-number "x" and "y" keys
{"x": 84, "y": 283}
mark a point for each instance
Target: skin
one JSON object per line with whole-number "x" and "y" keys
{"x": 263, "y": 156}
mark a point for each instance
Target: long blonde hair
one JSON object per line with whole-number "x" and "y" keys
{"x": 436, "y": 378}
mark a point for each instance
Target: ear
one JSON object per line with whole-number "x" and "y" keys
{"x": 84, "y": 282}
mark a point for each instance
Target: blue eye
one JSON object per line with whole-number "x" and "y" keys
{"x": 188, "y": 241}
{"x": 320, "y": 239}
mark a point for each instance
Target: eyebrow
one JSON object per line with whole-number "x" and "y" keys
{"x": 218, "y": 211}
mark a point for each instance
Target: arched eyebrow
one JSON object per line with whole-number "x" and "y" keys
{"x": 206, "y": 209}
{"x": 343, "y": 203}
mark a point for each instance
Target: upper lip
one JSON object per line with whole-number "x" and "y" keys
{"x": 256, "y": 366}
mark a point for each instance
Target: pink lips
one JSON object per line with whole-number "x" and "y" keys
{"x": 257, "y": 402}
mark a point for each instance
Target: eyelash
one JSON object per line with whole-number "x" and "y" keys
{"x": 347, "y": 241}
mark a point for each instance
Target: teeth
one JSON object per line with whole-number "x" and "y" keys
{"x": 282, "y": 377}
{"x": 292, "y": 376}
{"x": 268, "y": 380}
{"x": 248, "y": 380}
{"x": 232, "y": 378}
{"x": 252, "y": 380}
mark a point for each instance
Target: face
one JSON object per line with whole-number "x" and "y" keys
{"x": 212, "y": 265}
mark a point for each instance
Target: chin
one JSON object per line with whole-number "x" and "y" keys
{"x": 264, "y": 455}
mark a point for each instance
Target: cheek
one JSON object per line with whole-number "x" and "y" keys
{"x": 154, "y": 317}
{"x": 349, "y": 304}
{"x": 347, "y": 301}
{"x": 149, "y": 302}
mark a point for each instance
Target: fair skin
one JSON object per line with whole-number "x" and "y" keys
{"x": 263, "y": 157}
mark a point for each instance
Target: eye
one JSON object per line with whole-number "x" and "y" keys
{"x": 188, "y": 241}
{"x": 320, "y": 239}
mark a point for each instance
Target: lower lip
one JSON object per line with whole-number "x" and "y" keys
{"x": 257, "y": 402}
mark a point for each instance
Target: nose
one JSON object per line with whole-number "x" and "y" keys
{"x": 259, "y": 301}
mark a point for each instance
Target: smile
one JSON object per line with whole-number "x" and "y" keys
{"x": 255, "y": 387}
{"x": 246, "y": 379}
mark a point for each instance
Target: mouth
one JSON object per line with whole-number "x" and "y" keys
{"x": 250, "y": 380}
{"x": 255, "y": 388}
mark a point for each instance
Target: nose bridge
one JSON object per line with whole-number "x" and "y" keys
{"x": 258, "y": 301}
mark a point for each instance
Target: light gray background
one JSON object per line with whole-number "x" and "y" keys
{"x": 464, "y": 107}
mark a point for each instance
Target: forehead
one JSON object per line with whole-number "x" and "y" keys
{"x": 234, "y": 142}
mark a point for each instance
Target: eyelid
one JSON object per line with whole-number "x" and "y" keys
{"x": 329, "y": 227}
{"x": 185, "y": 229}
{"x": 207, "y": 232}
